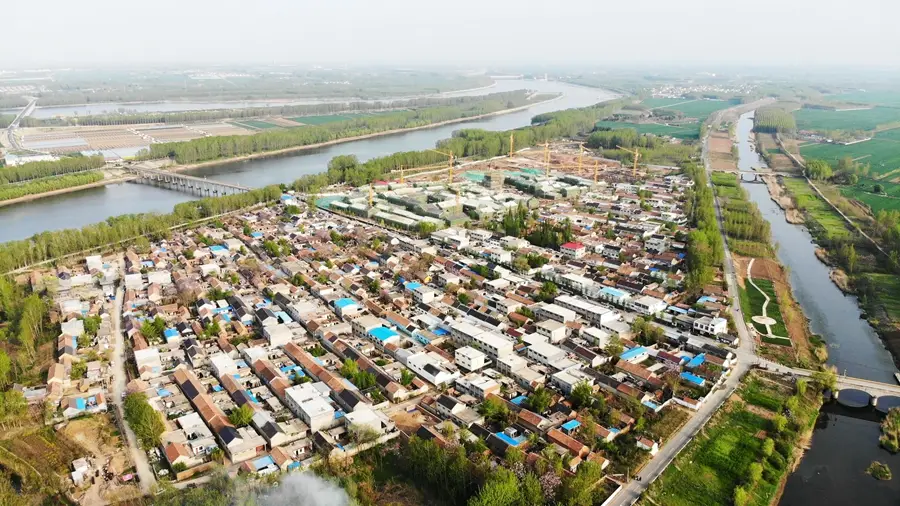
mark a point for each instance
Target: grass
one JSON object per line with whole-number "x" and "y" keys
{"x": 877, "y": 202}
{"x": 255, "y": 124}
{"x": 887, "y": 289}
{"x": 332, "y": 118}
{"x": 773, "y": 310}
{"x": 860, "y": 119}
{"x": 821, "y": 218}
{"x": 719, "y": 458}
{"x": 888, "y": 98}
{"x": 882, "y": 153}
{"x": 687, "y": 132}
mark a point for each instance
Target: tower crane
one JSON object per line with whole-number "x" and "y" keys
{"x": 371, "y": 194}
{"x": 512, "y": 142}
{"x": 596, "y": 169}
{"x": 450, "y": 166}
{"x": 637, "y": 156}
{"x": 401, "y": 175}
{"x": 580, "y": 155}
{"x": 547, "y": 157}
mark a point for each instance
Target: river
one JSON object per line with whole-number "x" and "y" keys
{"x": 845, "y": 441}
{"x": 81, "y": 208}
{"x": 853, "y": 346}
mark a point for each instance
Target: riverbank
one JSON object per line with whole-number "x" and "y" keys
{"x": 319, "y": 145}
{"x": 268, "y": 154}
{"x": 63, "y": 191}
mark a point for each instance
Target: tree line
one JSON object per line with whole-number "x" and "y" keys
{"x": 34, "y": 170}
{"x": 705, "y": 248}
{"x": 14, "y": 191}
{"x": 27, "y": 326}
{"x": 464, "y": 143}
{"x": 52, "y": 244}
{"x": 774, "y": 120}
{"x": 212, "y": 148}
{"x": 181, "y": 117}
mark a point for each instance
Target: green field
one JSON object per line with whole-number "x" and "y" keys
{"x": 889, "y": 98}
{"x": 824, "y": 219}
{"x": 752, "y": 301}
{"x": 332, "y": 118}
{"x": 887, "y": 290}
{"x": 860, "y": 119}
{"x": 255, "y": 124}
{"x": 663, "y": 102}
{"x": 882, "y": 153}
{"x": 719, "y": 458}
{"x": 691, "y": 131}
{"x": 889, "y": 200}
{"x": 701, "y": 109}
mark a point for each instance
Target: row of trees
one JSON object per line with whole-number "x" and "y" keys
{"x": 143, "y": 420}
{"x": 14, "y": 191}
{"x": 464, "y": 143}
{"x": 34, "y": 170}
{"x": 705, "y": 249}
{"x": 211, "y": 148}
{"x": 774, "y": 120}
{"x": 126, "y": 117}
{"x": 744, "y": 221}
{"x": 607, "y": 138}
{"x": 123, "y": 229}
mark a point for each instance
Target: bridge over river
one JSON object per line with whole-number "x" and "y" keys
{"x": 184, "y": 182}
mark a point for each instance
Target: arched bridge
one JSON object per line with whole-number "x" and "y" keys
{"x": 185, "y": 183}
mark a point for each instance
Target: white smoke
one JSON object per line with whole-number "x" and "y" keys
{"x": 306, "y": 489}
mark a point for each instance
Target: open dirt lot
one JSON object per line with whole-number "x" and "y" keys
{"x": 720, "y": 157}
{"x": 170, "y": 133}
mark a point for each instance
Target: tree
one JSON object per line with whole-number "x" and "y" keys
{"x": 5, "y": 369}
{"x": 532, "y": 494}
{"x": 539, "y": 400}
{"x": 741, "y": 496}
{"x": 614, "y": 346}
{"x": 241, "y": 416}
{"x": 464, "y": 298}
{"x": 406, "y": 377}
{"x": 144, "y": 420}
{"x": 582, "y": 394}
{"x": 826, "y": 378}
{"x": 818, "y": 169}
{"x": 494, "y": 410}
{"x": 768, "y": 446}
{"x": 79, "y": 369}
{"x": 500, "y": 489}
{"x": 754, "y": 472}
{"x": 877, "y": 188}
{"x": 548, "y": 291}
{"x": 779, "y": 423}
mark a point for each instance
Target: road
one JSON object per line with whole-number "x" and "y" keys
{"x": 145, "y": 473}
{"x": 746, "y": 356}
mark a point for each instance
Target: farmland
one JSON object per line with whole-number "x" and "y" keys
{"x": 330, "y": 118}
{"x": 888, "y": 98}
{"x": 689, "y": 131}
{"x": 855, "y": 119}
{"x": 253, "y": 123}
{"x": 882, "y": 153}
{"x": 889, "y": 200}
{"x": 821, "y": 219}
{"x": 732, "y": 452}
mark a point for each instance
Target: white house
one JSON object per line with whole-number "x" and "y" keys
{"x": 553, "y": 330}
{"x": 432, "y": 368}
{"x": 470, "y": 359}
{"x": 711, "y": 326}
{"x": 278, "y": 335}
{"x": 573, "y": 249}
{"x": 545, "y": 353}
{"x": 647, "y": 305}
{"x": 554, "y": 312}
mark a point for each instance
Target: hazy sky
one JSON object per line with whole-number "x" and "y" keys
{"x": 478, "y": 32}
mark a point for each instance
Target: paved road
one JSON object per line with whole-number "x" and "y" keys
{"x": 746, "y": 356}
{"x": 145, "y": 473}
{"x": 15, "y": 124}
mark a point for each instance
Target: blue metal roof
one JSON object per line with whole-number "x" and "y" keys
{"x": 412, "y": 285}
{"x": 613, "y": 291}
{"x": 519, "y": 400}
{"x": 256, "y": 235}
{"x": 382, "y": 333}
{"x": 696, "y": 361}
{"x": 80, "y": 404}
{"x": 342, "y": 303}
{"x": 263, "y": 462}
{"x": 630, "y": 354}
{"x": 171, "y": 333}
{"x": 571, "y": 425}
{"x": 693, "y": 378}
{"x": 509, "y": 440}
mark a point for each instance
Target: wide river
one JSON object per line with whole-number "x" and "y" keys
{"x": 81, "y": 208}
{"x": 845, "y": 442}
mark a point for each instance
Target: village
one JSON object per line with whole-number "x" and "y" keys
{"x": 530, "y": 310}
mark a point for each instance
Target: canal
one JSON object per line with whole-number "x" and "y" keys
{"x": 845, "y": 441}
{"x": 81, "y": 208}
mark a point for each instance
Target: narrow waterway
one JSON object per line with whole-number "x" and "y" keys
{"x": 853, "y": 346}
{"x": 833, "y": 471}
{"x": 84, "y": 207}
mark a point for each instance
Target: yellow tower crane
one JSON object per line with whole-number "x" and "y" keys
{"x": 450, "y": 166}
{"x": 401, "y": 175}
{"x": 547, "y": 157}
{"x": 580, "y": 155}
{"x": 596, "y": 170}
{"x": 637, "y": 156}
{"x": 458, "y": 202}
{"x": 512, "y": 142}
{"x": 371, "y": 195}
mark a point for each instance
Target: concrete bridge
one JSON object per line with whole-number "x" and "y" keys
{"x": 185, "y": 183}
{"x": 852, "y": 392}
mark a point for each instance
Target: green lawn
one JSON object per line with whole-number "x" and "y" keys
{"x": 888, "y": 292}
{"x": 856, "y": 119}
{"x": 773, "y": 310}
{"x": 691, "y": 131}
{"x": 826, "y": 220}
{"x": 889, "y": 98}
{"x": 719, "y": 457}
{"x": 256, "y": 124}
